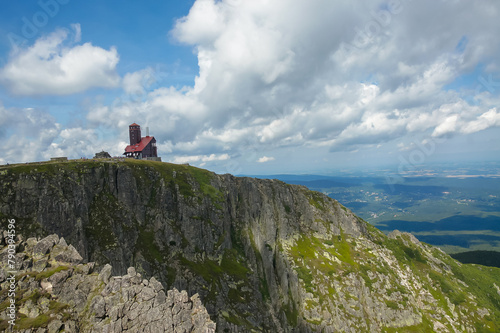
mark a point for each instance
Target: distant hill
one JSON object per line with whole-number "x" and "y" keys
{"x": 485, "y": 258}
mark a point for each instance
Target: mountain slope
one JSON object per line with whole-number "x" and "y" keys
{"x": 263, "y": 255}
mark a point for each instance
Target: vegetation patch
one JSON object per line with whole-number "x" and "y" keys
{"x": 46, "y": 274}
{"x": 237, "y": 319}
{"x": 291, "y": 313}
{"x": 264, "y": 289}
{"x": 104, "y": 212}
{"x": 25, "y": 323}
{"x": 232, "y": 266}
{"x": 208, "y": 269}
{"x": 392, "y": 305}
{"x": 317, "y": 200}
{"x": 481, "y": 281}
{"x": 424, "y": 327}
{"x": 146, "y": 244}
{"x": 212, "y": 271}
{"x": 305, "y": 275}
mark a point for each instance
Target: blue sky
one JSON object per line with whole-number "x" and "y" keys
{"x": 253, "y": 87}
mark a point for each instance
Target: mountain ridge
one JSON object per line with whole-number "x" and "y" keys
{"x": 263, "y": 255}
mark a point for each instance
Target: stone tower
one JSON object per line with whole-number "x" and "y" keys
{"x": 134, "y": 134}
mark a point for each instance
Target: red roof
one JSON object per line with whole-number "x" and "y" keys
{"x": 134, "y": 124}
{"x": 139, "y": 146}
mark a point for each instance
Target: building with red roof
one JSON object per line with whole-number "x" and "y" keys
{"x": 141, "y": 147}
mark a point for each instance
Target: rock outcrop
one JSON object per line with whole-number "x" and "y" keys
{"x": 262, "y": 255}
{"x": 56, "y": 292}
{"x": 102, "y": 154}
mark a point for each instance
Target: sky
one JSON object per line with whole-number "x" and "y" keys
{"x": 253, "y": 87}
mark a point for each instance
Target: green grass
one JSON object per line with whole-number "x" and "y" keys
{"x": 413, "y": 254}
{"x": 363, "y": 270}
{"x": 31, "y": 323}
{"x": 481, "y": 280}
{"x": 146, "y": 244}
{"x": 291, "y": 311}
{"x": 237, "y": 319}
{"x": 232, "y": 265}
{"x": 264, "y": 289}
{"x": 211, "y": 271}
{"x": 104, "y": 213}
{"x": 317, "y": 200}
{"x": 204, "y": 177}
{"x": 149, "y": 172}
{"x": 306, "y": 276}
{"x": 48, "y": 273}
{"x": 403, "y": 253}
{"x": 42, "y": 320}
{"x": 425, "y": 326}
{"x": 208, "y": 269}
{"x": 185, "y": 178}
{"x": 392, "y": 305}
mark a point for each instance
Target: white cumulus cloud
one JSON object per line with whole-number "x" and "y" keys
{"x": 55, "y": 65}
{"x": 265, "y": 159}
{"x": 311, "y": 76}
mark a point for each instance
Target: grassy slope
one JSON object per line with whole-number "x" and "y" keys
{"x": 457, "y": 290}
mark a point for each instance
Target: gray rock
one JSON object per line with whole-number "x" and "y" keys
{"x": 123, "y": 303}
{"x": 105, "y": 273}
{"x": 54, "y": 326}
{"x": 40, "y": 264}
{"x": 43, "y": 246}
{"x": 98, "y": 306}
{"x": 69, "y": 255}
{"x": 131, "y": 272}
{"x": 62, "y": 242}
{"x": 57, "y": 279}
{"x": 153, "y": 283}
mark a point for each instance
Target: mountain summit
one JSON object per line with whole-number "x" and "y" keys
{"x": 262, "y": 255}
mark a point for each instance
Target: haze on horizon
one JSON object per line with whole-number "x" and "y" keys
{"x": 253, "y": 87}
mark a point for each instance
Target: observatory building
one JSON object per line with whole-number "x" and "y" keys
{"x": 141, "y": 147}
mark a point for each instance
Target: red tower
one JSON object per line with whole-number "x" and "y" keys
{"x": 134, "y": 134}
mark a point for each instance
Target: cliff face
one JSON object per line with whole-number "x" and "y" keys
{"x": 262, "y": 255}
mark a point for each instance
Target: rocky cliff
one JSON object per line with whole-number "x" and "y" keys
{"x": 262, "y": 255}
{"x": 56, "y": 292}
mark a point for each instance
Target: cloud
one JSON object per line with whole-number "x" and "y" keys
{"x": 276, "y": 74}
{"x": 200, "y": 158}
{"x": 135, "y": 83}
{"x": 458, "y": 123}
{"x": 26, "y": 134}
{"x": 290, "y": 81}
{"x": 313, "y": 75}
{"x": 491, "y": 118}
{"x": 449, "y": 125}
{"x": 74, "y": 143}
{"x": 265, "y": 159}
{"x": 30, "y": 134}
{"x": 55, "y": 65}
